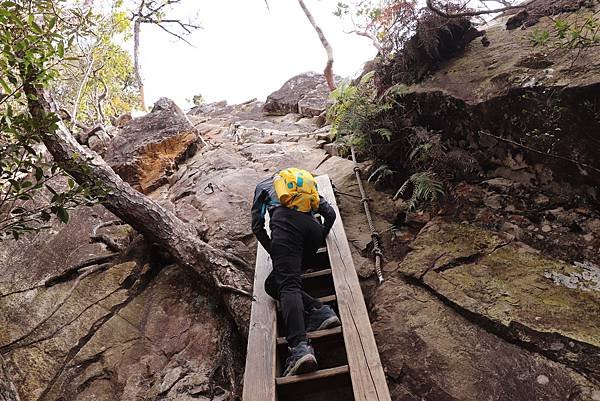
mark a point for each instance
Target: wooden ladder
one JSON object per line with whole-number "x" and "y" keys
{"x": 349, "y": 364}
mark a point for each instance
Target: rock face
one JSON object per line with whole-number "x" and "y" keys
{"x": 467, "y": 313}
{"x": 432, "y": 352}
{"x": 80, "y": 321}
{"x": 133, "y": 326}
{"x": 514, "y": 288}
{"x": 510, "y": 99}
{"x": 148, "y": 148}
{"x": 305, "y": 94}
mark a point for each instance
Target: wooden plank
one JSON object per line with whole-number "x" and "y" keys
{"x": 366, "y": 371}
{"x": 323, "y": 300}
{"x": 315, "y": 335}
{"x": 319, "y": 374}
{"x": 259, "y": 377}
{"x": 328, "y": 298}
{"x": 318, "y": 273}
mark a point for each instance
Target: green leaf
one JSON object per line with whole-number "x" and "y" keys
{"x": 62, "y": 215}
{"x": 39, "y": 173}
{"x": 51, "y": 22}
{"x": 61, "y": 49}
{"x": 5, "y": 86}
{"x": 51, "y": 190}
{"x": 71, "y": 183}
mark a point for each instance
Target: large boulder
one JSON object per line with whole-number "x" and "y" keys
{"x": 305, "y": 94}
{"x": 147, "y": 149}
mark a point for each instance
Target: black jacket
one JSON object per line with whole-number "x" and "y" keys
{"x": 265, "y": 199}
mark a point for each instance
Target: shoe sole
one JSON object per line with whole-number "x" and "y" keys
{"x": 332, "y": 322}
{"x": 306, "y": 364}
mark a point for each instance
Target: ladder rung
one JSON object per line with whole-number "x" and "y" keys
{"x": 323, "y": 300}
{"x": 319, "y": 374}
{"x": 313, "y": 335}
{"x": 318, "y": 273}
{"x": 328, "y": 298}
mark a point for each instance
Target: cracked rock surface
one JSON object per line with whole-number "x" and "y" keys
{"x": 467, "y": 312}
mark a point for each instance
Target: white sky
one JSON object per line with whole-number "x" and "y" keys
{"x": 245, "y": 51}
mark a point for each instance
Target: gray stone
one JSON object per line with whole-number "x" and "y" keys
{"x": 494, "y": 201}
{"x": 305, "y": 94}
{"x": 514, "y": 230}
{"x": 332, "y": 148}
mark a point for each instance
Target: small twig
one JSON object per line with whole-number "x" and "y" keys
{"x": 235, "y": 290}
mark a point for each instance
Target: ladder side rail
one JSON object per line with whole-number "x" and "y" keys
{"x": 366, "y": 371}
{"x": 261, "y": 355}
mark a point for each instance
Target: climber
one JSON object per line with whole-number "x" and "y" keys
{"x": 291, "y": 198}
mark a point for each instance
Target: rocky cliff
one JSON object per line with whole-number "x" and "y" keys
{"x": 495, "y": 298}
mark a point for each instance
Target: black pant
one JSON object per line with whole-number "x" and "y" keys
{"x": 295, "y": 239}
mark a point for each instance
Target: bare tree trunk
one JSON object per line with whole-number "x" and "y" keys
{"x": 136, "y": 60}
{"x": 99, "y": 99}
{"x": 81, "y": 87}
{"x": 8, "y": 392}
{"x": 328, "y": 72}
{"x": 217, "y": 269}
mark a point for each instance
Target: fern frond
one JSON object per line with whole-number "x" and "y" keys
{"x": 427, "y": 189}
{"x": 382, "y": 172}
{"x": 384, "y": 133}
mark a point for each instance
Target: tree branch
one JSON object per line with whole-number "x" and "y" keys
{"x": 81, "y": 86}
{"x": 174, "y": 34}
{"x": 328, "y": 72}
{"x": 369, "y": 35}
{"x": 445, "y": 14}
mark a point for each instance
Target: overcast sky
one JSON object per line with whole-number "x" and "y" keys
{"x": 245, "y": 50}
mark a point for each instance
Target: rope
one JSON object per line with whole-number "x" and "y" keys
{"x": 374, "y": 234}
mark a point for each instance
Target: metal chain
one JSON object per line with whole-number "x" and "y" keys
{"x": 374, "y": 234}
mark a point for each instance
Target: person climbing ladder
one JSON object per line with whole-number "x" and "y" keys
{"x": 291, "y": 197}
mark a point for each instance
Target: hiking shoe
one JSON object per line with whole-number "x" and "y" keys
{"x": 323, "y": 318}
{"x": 301, "y": 360}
